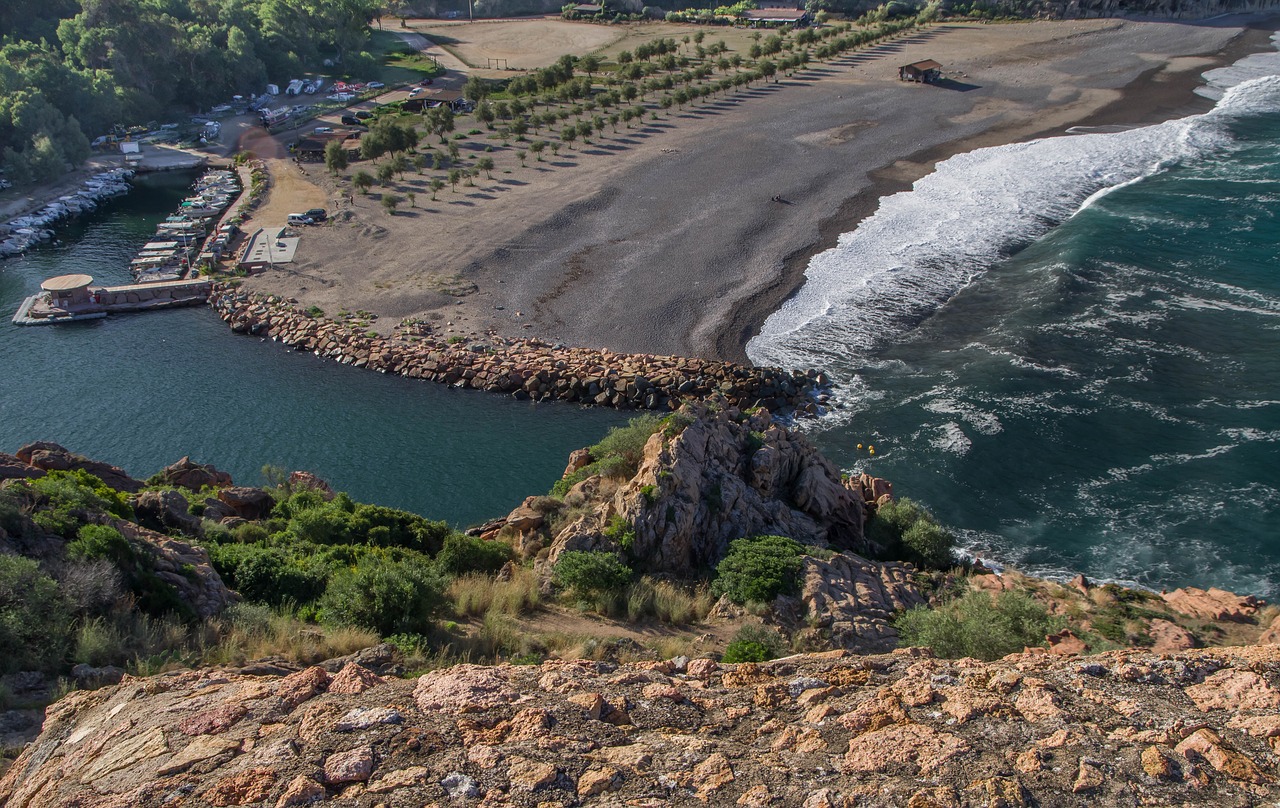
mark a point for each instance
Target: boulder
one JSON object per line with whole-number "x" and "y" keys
{"x": 306, "y": 480}
{"x": 1212, "y": 604}
{"x": 11, "y": 468}
{"x": 247, "y": 503}
{"x": 52, "y": 457}
{"x": 193, "y": 476}
{"x": 164, "y": 511}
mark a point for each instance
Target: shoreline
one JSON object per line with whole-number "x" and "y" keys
{"x": 1146, "y": 101}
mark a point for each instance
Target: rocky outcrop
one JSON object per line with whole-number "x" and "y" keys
{"x": 192, "y": 476}
{"x": 11, "y": 468}
{"x": 1190, "y": 728}
{"x": 523, "y": 368}
{"x": 708, "y": 478}
{"x": 164, "y": 511}
{"x": 1212, "y": 604}
{"x": 850, "y": 602}
{"x": 52, "y": 457}
{"x": 183, "y": 566}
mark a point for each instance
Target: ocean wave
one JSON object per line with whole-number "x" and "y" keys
{"x": 923, "y": 246}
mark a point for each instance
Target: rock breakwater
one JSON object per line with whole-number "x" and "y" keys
{"x": 523, "y": 368}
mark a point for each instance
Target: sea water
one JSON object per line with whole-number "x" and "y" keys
{"x": 142, "y": 390}
{"x": 1069, "y": 349}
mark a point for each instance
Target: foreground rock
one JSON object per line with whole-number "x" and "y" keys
{"x": 1192, "y": 728}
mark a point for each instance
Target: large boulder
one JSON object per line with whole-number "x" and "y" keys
{"x": 165, "y": 510}
{"x": 247, "y": 503}
{"x": 52, "y": 457}
{"x": 11, "y": 468}
{"x": 193, "y": 476}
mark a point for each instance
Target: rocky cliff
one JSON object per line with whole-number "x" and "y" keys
{"x": 823, "y": 730}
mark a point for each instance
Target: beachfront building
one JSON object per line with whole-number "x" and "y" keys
{"x": 925, "y": 72}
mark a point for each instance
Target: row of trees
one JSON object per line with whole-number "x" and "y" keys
{"x": 101, "y": 63}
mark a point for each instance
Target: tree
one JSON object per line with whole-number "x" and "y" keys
{"x": 568, "y": 134}
{"x": 759, "y": 568}
{"x": 484, "y": 113}
{"x": 768, "y": 69}
{"x": 440, "y": 121}
{"x": 476, "y": 89}
{"x": 485, "y": 164}
{"x": 384, "y": 173}
{"x": 522, "y": 154}
{"x": 590, "y": 64}
{"x": 413, "y": 199}
{"x": 335, "y": 157}
{"x": 363, "y": 181}
{"x": 391, "y": 202}
{"x": 455, "y": 176}
{"x": 536, "y": 147}
{"x": 436, "y": 185}
{"x": 420, "y": 162}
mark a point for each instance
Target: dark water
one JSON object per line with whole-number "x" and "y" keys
{"x": 142, "y": 390}
{"x": 1108, "y": 399}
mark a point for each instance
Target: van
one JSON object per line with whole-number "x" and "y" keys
{"x": 316, "y": 214}
{"x": 299, "y": 218}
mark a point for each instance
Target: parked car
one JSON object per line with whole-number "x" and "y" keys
{"x": 427, "y": 82}
{"x": 350, "y": 120}
{"x": 317, "y": 214}
{"x": 375, "y": 85}
{"x": 364, "y": 114}
{"x": 415, "y": 91}
{"x": 323, "y": 130}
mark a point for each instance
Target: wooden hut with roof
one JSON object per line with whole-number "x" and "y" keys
{"x": 925, "y": 72}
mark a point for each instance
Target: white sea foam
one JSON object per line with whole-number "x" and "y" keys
{"x": 922, "y": 246}
{"x": 1250, "y": 67}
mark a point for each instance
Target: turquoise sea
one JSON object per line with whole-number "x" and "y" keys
{"x": 1075, "y": 360}
{"x": 142, "y": 390}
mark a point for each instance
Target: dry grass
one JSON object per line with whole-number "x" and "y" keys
{"x": 478, "y": 594}
{"x": 254, "y": 632}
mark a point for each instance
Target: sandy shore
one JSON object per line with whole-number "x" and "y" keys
{"x": 664, "y": 239}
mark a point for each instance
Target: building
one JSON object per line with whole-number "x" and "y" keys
{"x": 777, "y": 17}
{"x": 68, "y": 291}
{"x": 455, "y": 100}
{"x": 925, "y": 72}
{"x": 311, "y": 148}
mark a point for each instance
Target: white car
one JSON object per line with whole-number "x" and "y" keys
{"x": 375, "y": 85}
{"x": 323, "y": 130}
{"x": 415, "y": 91}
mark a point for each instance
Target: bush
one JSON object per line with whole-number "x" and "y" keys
{"x": 753, "y": 643}
{"x": 904, "y": 529}
{"x": 462, "y": 554}
{"x": 759, "y": 568}
{"x": 67, "y": 498}
{"x": 587, "y": 575}
{"x": 976, "y": 625}
{"x": 34, "y": 620}
{"x": 390, "y": 597}
{"x": 100, "y": 542}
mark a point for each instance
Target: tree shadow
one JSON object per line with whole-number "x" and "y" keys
{"x": 513, "y": 182}
{"x": 464, "y": 203}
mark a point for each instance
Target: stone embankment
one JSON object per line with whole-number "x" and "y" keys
{"x": 818, "y": 731}
{"x": 524, "y": 368}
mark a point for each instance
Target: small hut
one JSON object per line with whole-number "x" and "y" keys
{"x": 926, "y": 72}
{"x": 68, "y": 291}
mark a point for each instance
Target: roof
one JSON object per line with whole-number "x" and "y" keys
{"x": 775, "y": 14}
{"x": 65, "y": 283}
{"x": 588, "y": 7}
{"x": 442, "y": 95}
{"x": 927, "y": 64}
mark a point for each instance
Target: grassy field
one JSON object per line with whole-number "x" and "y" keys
{"x": 533, "y": 43}
{"x": 399, "y": 62}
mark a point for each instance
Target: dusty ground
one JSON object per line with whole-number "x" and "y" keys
{"x": 663, "y": 239}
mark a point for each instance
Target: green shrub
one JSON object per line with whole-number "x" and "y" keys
{"x": 628, "y": 441}
{"x": 904, "y": 529}
{"x": 34, "y": 620}
{"x": 462, "y": 554}
{"x": 101, "y": 542}
{"x": 390, "y": 597}
{"x": 587, "y": 575}
{"x": 759, "y": 568}
{"x": 753, "y": 643}
{"x": 975, "y": 625}
{"x": 67, "y": 498}
{"x": 620, "y": 531}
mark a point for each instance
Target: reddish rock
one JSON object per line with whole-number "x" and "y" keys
{"x": 243, "y": 788}
{"x": 1156, "y": 764}
{"x": 463, "y": 688}
{"x": 1272, "y": 635}
{"x": 52, "y": 457}
{"x": 1167, "y": 637}
{"x": 903, "y": 746}
{"x": 302, "y": 790}
{"x": 1205, "y": 744}
{"x": 1037, "y": 704}
{"x": 882, "y": 711}
{"x": 597, "y": 780}
{"x": 193, "y": 476}
{"x": 211, "y": 722}
{"x": 529, "y": 724}
{"x": 1089, "y": 778}
{"x": 1232, "y": 689}
{"x": 11, "y": 468}
{"x": 305, "y": 480}
{"x": 352, "y": 766}
{"x": 711, "y": 775}
{"x": 354, "y": 678}
{"x": 530, "y": 775}
{"x": 296, "y": 688}
{"x": 1065, "y": 642}
{"x": 578, "y": 459}
{"x": 1212, "y": 604}
{"x": 701, "y": 668}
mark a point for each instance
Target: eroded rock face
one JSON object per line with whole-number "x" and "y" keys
{"x": 186, "y": 567}
{"x": 52, "y": 457}
{"x": 723, "y": 476}
{"x": 854, "y": 600}
{"x": 830, "y": 729}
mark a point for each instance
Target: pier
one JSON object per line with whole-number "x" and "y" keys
{"x": 68, "y": 298}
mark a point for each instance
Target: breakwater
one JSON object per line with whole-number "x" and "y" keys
{"x": 523, "y": 368}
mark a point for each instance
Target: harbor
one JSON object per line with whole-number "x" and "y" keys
{"x": 166, "y": 271}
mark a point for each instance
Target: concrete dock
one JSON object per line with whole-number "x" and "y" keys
{"x": 69, "y": 298}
